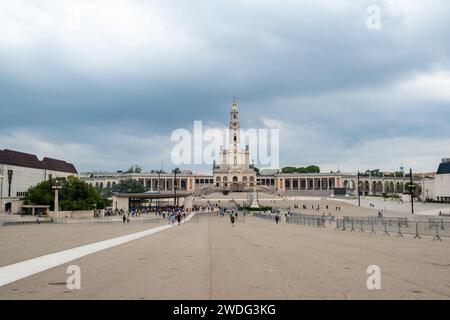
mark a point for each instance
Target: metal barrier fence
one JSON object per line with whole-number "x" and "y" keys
{"x": 264, "y": 215}
{"x": 308, "y": 220}
{"x": 108, "y": 220}
{"x": 437, "y": 228}
{"x": 368, "y": 220}
{"x": 105, "y": 220}
{"x": 303, "y": 217}
{"x": 15, "y": 222}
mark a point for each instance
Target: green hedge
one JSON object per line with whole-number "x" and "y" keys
{"x": 261, "y": 208}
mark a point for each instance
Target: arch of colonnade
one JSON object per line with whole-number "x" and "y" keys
{"x": 152, "y": 184}
{"x": 379, "y": 186}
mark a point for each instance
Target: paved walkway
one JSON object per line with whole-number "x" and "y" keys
{"x": 257, "y": 259}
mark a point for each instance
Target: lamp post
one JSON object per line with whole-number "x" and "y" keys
{"x": 56, "y": 187}
{"x": 1, "y": 193}
{"x": 158, "y": 203}
{"x": 175, "y": 188}
{"x": 411, "y": 188}
{"x": 359, "y": 193}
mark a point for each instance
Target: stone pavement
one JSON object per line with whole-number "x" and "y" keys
{"x": 210, "y": 259}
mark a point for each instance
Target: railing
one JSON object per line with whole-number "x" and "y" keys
{"x": 12, "y": 221}
{"x": 437, "y": 228}
{"x": 308, "y": 220}
{"x": 325, "y": 218}
{"x": 300, "y": 219}
{"x": 264, "y": 215}
{"x": 109, "y": 220}
{"x": 15, "y": 222}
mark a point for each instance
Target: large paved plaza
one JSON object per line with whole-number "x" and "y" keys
{"x": 209, "y": 259}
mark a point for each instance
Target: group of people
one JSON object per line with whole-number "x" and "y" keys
{"x": 233, "y": 214}
{"x": 172, "y": 213}
{"x": 176, "y": 216}
{"x": 205, "y": 208}
{"x": 317, "y": 208}
{"x": 133, "y": 212}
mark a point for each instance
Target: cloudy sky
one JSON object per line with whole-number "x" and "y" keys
{"x": 103, "y": 84}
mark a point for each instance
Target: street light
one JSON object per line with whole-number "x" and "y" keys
{"x": 57, "y": 186}
{"x": 175, "y": 188}
{"x": 359, "y": 192}
{"x": 411, "y": 186}
{"x": 1, "y": 193}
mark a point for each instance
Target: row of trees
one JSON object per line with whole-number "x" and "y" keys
{"x": 124, "y": 186}
{"x": 308, "y": 169}
{"x": 379, "y": 173}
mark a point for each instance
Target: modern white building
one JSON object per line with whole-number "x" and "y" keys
{"x": 19, "y": 171}
{"x": 441, "y": 187}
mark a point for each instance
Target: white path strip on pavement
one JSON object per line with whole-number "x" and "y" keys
{"x": 18, "y": 271}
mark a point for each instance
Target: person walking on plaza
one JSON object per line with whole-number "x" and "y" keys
{"x": 179, "y": 218}
{"x": 277, "y": 218}
{"x": 173, "y": 217}
{"x": 232, "y": 218}
{"x": 124, "y": 218}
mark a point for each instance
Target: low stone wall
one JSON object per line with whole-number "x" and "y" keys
{"x": 82, "y": 214}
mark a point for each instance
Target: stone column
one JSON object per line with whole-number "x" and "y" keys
{"x": 56, "y": 209}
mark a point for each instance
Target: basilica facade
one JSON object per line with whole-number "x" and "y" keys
{"x": 234, "y": 172}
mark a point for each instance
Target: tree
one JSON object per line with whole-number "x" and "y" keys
{"x": 289, "y": 170}
{"x": 308, "y": 169}
{"x": 313, "y": 169}
{"x": 413, "y": 188}
{"x": 128, "y": 186}
{"x": 176, "y": 170}
{"x": 73, "y": 195}
{"x": 399, "y": 174}
{"x": 374, "y": 173}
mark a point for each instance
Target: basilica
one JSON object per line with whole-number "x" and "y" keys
{"x": 234, "y": 173}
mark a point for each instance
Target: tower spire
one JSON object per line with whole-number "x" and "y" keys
{"x": 234, "y": 105}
